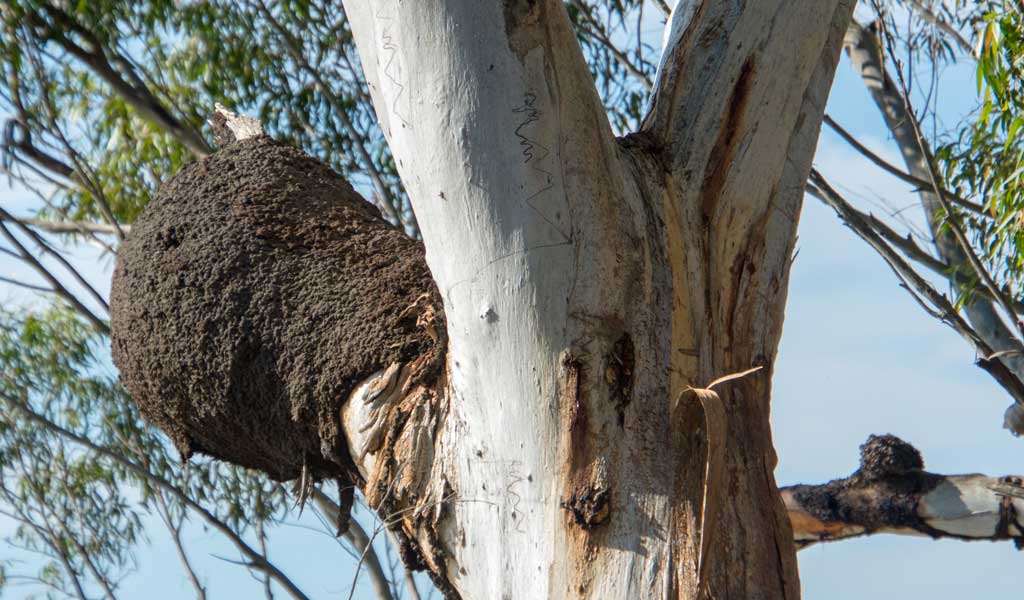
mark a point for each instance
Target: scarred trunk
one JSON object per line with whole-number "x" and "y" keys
{"x": 587, "y": 282}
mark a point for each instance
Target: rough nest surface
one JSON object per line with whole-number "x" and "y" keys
{"x": 252, "y": 295}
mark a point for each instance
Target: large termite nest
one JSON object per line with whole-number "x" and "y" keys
{"x": 252, "y": 295}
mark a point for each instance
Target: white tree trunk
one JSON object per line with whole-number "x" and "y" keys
{"x": 587, "y": 282}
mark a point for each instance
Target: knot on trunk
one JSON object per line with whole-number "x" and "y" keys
{"x": 254, "y": 293}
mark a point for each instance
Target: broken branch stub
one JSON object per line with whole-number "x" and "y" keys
{"x": 253, "y": 295}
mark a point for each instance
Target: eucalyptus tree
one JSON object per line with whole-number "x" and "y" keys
{"x": 609, "y": 234}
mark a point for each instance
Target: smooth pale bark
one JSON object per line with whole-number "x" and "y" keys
{"x": 865, "y": 52}
{"x": 587, "y": 282}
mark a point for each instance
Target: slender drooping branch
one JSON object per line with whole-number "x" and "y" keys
{"x": 892, "y": 493}
{"x": 936, "y": 304}
{"x": 55, "y": 284}
{"x": 255, "y": 559}
{"x": 919, "y": 184}
{"x": 944, "y": 26}
{"x": 67, "y": 226}
{"x": 98, "y": 58}
{"x": 45, "y": 247}
{"x": 174, "y": 528}
{"x": 906, "y": 245}
{"x": 360, "y": 542}
{"x": 951, "y": 217}
{"x": 596, "y": 33}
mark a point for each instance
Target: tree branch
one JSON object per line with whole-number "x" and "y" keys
{"x": 929, "y": 15}
{"x": 597, "y": 34}
{"x": 909, "y": 248}
{"x": 995, "y": 363}
{"x": 138, "y": 96}
{"x": 360, "y": 542}
{"x": 920, "y": 185}
{"x": 865, "y": 52}
{"x": 892, "y": 493}
{"x": 56, "y": 286}
{"x": 47, "y": 249}
{"x": 256, "y": 560}
{"x": 68, "y": 226}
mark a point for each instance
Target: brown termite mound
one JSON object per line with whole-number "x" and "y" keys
{"x": 252, "y": 295}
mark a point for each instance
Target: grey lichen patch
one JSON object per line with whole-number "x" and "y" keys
{"x": 254, "y": 292}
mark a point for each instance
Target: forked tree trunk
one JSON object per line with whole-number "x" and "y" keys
{"x": 587, "y": 282}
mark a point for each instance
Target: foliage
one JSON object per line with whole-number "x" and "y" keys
{"x": 79, "y": 511}
{"x": 985, "y": 161}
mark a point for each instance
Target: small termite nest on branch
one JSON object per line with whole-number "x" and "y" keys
{"x": 254, "y": 293}
{"x": 887, "y": 455}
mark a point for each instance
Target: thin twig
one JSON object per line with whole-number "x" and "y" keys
{"x": 67, "y": 226}
{"x": 175, "y": 530}
{"x": 256, "y": 560}
{"x": 895, "y": 171}
{"x": 356, "y": 536}
{"x": 57, "y": 287}
{"x": 598, "y": 35}
{"x": 47, "y": 249}
{"x": 928, "y": 15}
{"x": 922, "y": 290}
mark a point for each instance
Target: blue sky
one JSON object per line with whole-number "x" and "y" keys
{"x": 858, "y": 356}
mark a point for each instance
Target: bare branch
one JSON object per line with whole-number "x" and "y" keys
{"x": 910, "y": 249}
{"x": 51, "y": 226}
{"x": 989, "y": 360}
{"x": 919, "y": 184}
{"x": 360, "y": 541}
{"x": 595, "y": 32}
{"x": 47, "y": 249}
{"x": 865, "y": 53}
{"x": 929, "y": 15}
{"x": 96, "y": 58}
{"x": 175, "y": 530}
{"x": 57, "y": 287}
{"x": 892, "y": 493}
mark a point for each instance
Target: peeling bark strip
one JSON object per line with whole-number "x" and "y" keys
{"x": 892, "y": 493}
{"x": 254, "y": 292}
